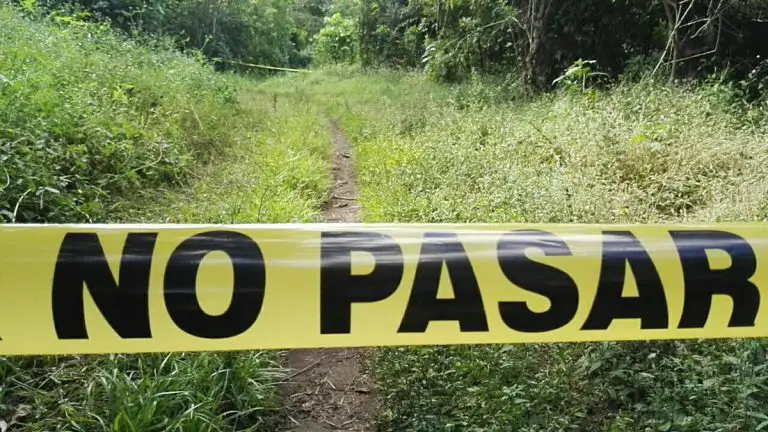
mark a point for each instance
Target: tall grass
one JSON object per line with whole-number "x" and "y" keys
{"x": 276, "y": 172}
{"x": 640, "y": 153}
{"x": 97, "y": 128}
{"x": 199, "y": 392}
{"x": 89, "y": 118}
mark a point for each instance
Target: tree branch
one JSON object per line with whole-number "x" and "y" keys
{"x": 675, "y": 26}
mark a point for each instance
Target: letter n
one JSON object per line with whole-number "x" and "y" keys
{"x": 81, "y": 265}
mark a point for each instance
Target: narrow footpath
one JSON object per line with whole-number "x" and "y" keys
{"x": 327, "y": 389}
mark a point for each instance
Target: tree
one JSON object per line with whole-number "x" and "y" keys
{"x": 338, "y": 41}
{"x": 535, "y": 18}
{"x": 687, "y": 26}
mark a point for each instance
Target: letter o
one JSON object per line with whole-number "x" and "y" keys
{"x": 179, "y": 286}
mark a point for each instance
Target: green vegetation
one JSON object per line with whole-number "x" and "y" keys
{"x": 337, "y": 41}
{"x": 638, "y": 153}
{"x": 200, "y": 392}
{"x": 523, "y": 111}
{"x": 276, "y": 172}
{"x": 97, "y": 128}
{"x": 534, "y": 40}
{"x": 88, "y": 118}
{"x": 270, "y": 32}
{"x": 529, "y": 40}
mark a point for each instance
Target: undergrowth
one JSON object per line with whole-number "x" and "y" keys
{"x": 276, "y": 172}
{"x": 97, "y": 128}
{"x": 89, "y": 118}
{"x": 640, "y": 153}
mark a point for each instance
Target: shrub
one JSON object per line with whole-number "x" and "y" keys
{"x": 337, "y": 41}
{"x": 89, "y": 118}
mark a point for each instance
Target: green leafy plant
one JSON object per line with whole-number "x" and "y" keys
{"x": 576, "y": 76}
{"x": 337, "y": 41}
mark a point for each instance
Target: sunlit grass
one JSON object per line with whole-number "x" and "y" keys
{"x": 212, "y": 150}
{"x": 641, "y": 153}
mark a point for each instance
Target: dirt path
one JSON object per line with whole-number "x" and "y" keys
{"x": 327, "y": 389}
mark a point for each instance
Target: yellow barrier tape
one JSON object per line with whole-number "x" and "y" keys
{"x": 160, "y": 288}
{"x": 262, "y": 66}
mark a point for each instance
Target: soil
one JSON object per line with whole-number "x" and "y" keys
{"x": 328, "y": 389}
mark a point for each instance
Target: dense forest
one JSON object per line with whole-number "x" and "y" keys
{"x": 536, "y": 40}
{"x": 532, "y": 111}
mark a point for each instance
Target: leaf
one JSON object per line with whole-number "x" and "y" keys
{"x": 639, "y": 139}
{"x": 29, "y": 5}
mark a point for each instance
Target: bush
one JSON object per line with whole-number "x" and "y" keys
{"x": 89, "y": 118}
{"x": 251, "y": 31}
{"x": 337, "y": 41}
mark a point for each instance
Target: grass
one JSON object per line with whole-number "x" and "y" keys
{"x": 89, "y": 118}
{"x": 640, "y": 153}
{"x": 184, "y": 145}
{"x": 277, "y": 172}
{"x": 198, "y": 392}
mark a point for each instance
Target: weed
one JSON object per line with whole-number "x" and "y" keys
{"x": 97, "y": 128}
{"x": 638, "y": 153}
{"x": 89, "y": 118}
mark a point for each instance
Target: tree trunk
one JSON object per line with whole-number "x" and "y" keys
{"x": 535, "y": 22}
{"x": 533, "y": 70}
